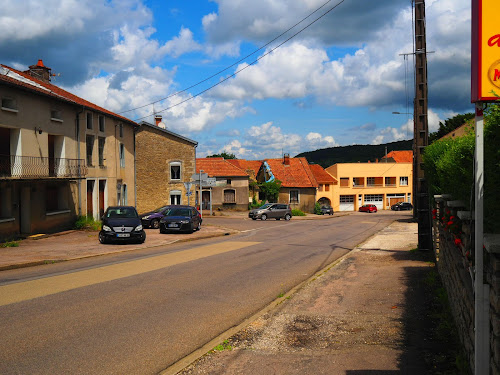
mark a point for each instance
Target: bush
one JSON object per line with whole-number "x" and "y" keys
{"x": 87, "y": 223}
{"x": 317, "y": 208}
{"x": 297, "y": 212}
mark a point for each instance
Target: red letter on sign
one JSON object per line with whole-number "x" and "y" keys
{"x": 497, "y": 75}
{"x": 495, "y": 39}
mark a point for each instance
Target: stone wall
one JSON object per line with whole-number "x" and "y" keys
{"x": 454, "y": 243}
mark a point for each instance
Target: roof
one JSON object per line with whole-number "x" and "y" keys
{"x": 218, "y": 167}
{"x": 322, "y": 176}
{"x": 400, "y": 156}
{"x": 460, "y": 131}
{"x": 296, "y": 174}
{"x": 250, "y": 166}
{"x": 148, "y": 125}
{"x": 23, "y": 80}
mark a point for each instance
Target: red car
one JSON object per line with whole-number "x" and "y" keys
{"x": 368, "y": 208}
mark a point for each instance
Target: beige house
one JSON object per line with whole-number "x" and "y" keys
{"x": 165, "y": 163}
{"x": 382, "y": 184}
{"x": 327, "y": 185}
{"x": 60, "y": 155}
{"x": 231, "y": 185}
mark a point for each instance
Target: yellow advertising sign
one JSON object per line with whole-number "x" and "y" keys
{"x": 485, "y": 50}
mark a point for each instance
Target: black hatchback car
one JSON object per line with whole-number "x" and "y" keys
{"x": 402, "y": 206}
{"x": 180, "y": 219}
{"x": 121, "y": 224}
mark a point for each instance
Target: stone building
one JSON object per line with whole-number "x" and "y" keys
{"x": 165, "y": 162}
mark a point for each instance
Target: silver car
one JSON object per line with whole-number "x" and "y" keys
{"x": 271, "y": 211}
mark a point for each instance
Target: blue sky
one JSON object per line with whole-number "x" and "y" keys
{"x": 337, "y": 83}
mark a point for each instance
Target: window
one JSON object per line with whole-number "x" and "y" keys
{"x": 175, "y": 171}
{"x": 120, "y": 130}
{"x": 122, "y": 155}
{"x": 90, "y": 149}
{"x": 370, "y": 181}
{"x": 229, "y": 196}
{"x": 121, "y": 194}
{"x": 101, "y": 123}
{"x": 294, "y": 196}
{"x": 228, "y": 181}
{"x": 101, "y": 143}
{"x": 51, "y": 199}
{"x": 175, "y": 197}
{"x": 55, "y": 115}
{"x": 327, "y": 187}
{"x": 358, "y": 181}
{"x": 403, "y": 181}
{"x": 344, "y": 181}
{"x": 9, "y": 104}
{"x": 320, "y": 187}
{"x": 90, "y": 124}
{"x": 390, "y": 181}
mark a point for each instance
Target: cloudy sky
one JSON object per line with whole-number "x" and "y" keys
{"x": 334, "y": 84}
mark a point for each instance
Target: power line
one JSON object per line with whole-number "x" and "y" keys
{"x": 239, "y": 71}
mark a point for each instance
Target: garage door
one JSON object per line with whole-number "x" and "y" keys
{"x": 346, "y": 203}
{"x": 376, "y": 199}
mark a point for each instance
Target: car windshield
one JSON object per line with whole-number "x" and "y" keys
{"x": 267, "y": 205}
{"x": 160, "y": 209}
{"x": 121, "y": 213}
{"x": 178, "y": 212}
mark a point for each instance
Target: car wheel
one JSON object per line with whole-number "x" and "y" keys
{"x": 254, "y": 218}
{"x": 162, "y": 230}
{"x": 287, "y": 217}
{"x": 155, "y": 224}
{"x": 102, "y": 239}
{"x": 263, "y": 217}
{"x": 198, "y": 227}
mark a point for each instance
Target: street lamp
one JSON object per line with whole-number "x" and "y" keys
{"x": 402, "y": 113}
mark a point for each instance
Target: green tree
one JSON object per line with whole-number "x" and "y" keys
{"x": 450, "y": 125}
{"x": 224, "y": 155}
{"x": 271, "y": 190}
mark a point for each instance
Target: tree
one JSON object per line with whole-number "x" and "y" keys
{"x": 271, "y": 190}
{"x": 450, "y": 125}
{"x": 224, "y": 155}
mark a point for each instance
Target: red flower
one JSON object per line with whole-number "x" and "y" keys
{"x": 434, "y": 217}
{"x": 450, "y": 223}
{"x": 458, "y": 241}
{"x": 434, "y": 211}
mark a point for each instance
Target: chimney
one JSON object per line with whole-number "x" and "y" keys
{"x": 40, "y": 71}
{"x": 286, "y": 159}
{"x": 157, "y": 120}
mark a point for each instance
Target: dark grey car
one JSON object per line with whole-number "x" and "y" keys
{"x": 271, "y": 211}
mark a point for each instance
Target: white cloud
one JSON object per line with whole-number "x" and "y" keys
{"x": 181, "y": 44}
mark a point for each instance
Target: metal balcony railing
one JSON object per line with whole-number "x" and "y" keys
{"x": 30, "y": 167}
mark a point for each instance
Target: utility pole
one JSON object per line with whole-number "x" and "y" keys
{"x": 420, "y": 132}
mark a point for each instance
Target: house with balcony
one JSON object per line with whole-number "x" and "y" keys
{"x": 165, "y": 162}
{"x": 60, "y": 155}
{"x": 382, "y": 184}
{"x": 231, "y": 185}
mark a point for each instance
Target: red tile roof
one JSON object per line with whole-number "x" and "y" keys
{"x": 400, "y": 156}
{"x": 322, "y": 176}
{"x": 218, "y": 167}
{"x": 24, "y": 80}
{"x": 250, "y": 166}
{"x": 297, "y": 174}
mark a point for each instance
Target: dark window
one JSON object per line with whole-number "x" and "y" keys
{"x": 90, "y": 149}
{"x": 229, "y": 196}
{"x": 102, "y": 141}
{"x": 55, "y": 115}
{"x": 228, "y": 181}
{"x": 51, "y": 199}
{"x": 122, "y": 155}
{"x": 294, "y": 196}
{"x": 101, "y": 123}
{"x": 9, "y": 103}
{"x": 120, "y": 130}
{"x": 175, "y": 172}
{"x": 90, "y": 124}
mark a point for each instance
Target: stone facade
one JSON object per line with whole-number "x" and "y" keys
{"x": 159, "y": 152}
{"x": 454, "y": 254}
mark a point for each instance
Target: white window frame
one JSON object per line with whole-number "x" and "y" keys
{"x": 403, "y": 181}
{"x": 175, "y": 193}
{"x": 175, "y": 164}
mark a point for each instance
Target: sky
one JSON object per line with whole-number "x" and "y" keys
{"x": 221, "y": 72}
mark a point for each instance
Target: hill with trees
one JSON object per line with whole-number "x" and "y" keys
{"x": 354, "y": 153}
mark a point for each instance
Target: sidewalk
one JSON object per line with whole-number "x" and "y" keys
{"x": 363, "y": 315}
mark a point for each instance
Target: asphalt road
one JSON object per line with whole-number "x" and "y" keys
{"x": 140, "y": 312}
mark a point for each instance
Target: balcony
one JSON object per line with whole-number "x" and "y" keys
{"x": 14, "y": 167}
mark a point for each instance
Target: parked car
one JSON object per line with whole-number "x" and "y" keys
{"x": 121, "y": 224}
{"x": 180, "y": 219}
{"x": 368, "y": 208}
{"x": 152, "y": 219}
{"x": 271, "y": 211}
{"x": 326, "y": 210}
{"x": 402, "y": 206}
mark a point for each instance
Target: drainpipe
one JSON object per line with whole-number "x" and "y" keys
{"x": 135, "y": 168}
{"x": 79, "y": 185}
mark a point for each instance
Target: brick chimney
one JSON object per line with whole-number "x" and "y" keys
{"x": 40, "y": 71}
{"x": 286, "y": 159}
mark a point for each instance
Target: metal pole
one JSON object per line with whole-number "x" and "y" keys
{"x": 481, "y": 308}
{"x": 201, "y": 200}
